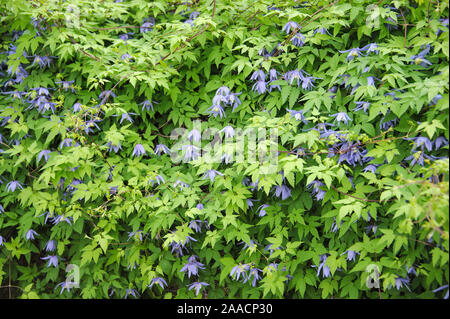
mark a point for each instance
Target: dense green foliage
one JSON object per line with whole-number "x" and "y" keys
{"x": 356, "y": 91}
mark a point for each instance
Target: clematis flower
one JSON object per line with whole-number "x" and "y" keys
{"x": 52, "y": 260}
{"x": 161, "y": 148}
{"x": 64, "y": 285}
{"x": 400, "y": 282}
{"x": 260, "y": 87}
{"x": 273, "y": 76}
{"x": 44, "y": 154}
{"x": 138, "y": 150}
{"x": 239, "y": 270}
{"x": 158, "y": 179}
{"x": 308, "y": 82}
{"x": 112, "y": 147}
{"x": 298, "y": 115}
{"x": 30, "y": 234}
{"x": 440, "y": 141}
{"x": 316, "y": 190}
{"x": 361, "y": 105}
{"x": 66, "y": 85}
{"x": 262, "y": 210}
{"x": 422, "y": 142}
{"x": 296, "y": 74}
{"x": 194, "y": 136}
{"x": 282, "y": 190}
{"x": 298, "y": 39}
{"x": 442, "y": 288}
{"x": 50, "y": 246}
{"x": 191, "y": 152}
{"x": 11, "y": 186}
{"x": 419, "y": 59}
{"x": 370, "y": 81}
{"x": 325, "y": 269}
{"x": 42, "y": 61}
{"x": 352, "y": 53}
{"x": 255, "y": 272}
{"x": 290, "y": 25}
{"x": 216, "y": 109}
{"x": 350, "y": 255}
{"x": 371, "y": 47}
{"x": 321, "y": 31}
{"x": 146, "y": 27}
{"x": 341, "y": 117}
{"x": 197, "y": 286}
{"x": 76, "y": 107}
{"x": 196, "y": 225}
{"x": 212, "y": 173}
{"x": 148, "y": 105}
{"x": 158, "y": 281}
{"x": 192, "y": 266}
{"x": 228, "y": 130}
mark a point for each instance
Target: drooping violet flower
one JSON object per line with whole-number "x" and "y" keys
{"x": 211, "y": 174}
{"x": 11, "y": 186}
{"x": 180, "y": 184}
{"x": 66, "y": 85}
{"x": 42, "y": 61}
{"x": 30, "y": 234}
{"x": 308, "y": 82}
{"x": 228, "y": 130}
{"x": 371, "y": 47}
{"x": 158, "y": 281}
{"x": 442, "y": 288}
{"x": 350, "y": 255}
{"x": 158, "y": 179}
{"x": 44, "y": 153}
{"x": 76, "y": 107}
{"x": 161, "y": 148}
{"x": 112, "y": 147}
{"x": 298, "y": 39}
{"x": 419, "y": 59}
{"x": 341, "y": 117}
{"x": 52, "y": 260}
{"x": 352, "y": 53}
{"x": 50, "y": 246}
{"x": 296, "y": 74}
{"x": 298, "y": 115}
{"x": 262, "y": 210}
{"x": 282, "y": 190}
{"x": 62, "y": 218}
{"x": 255, "y": 273}
{"x": 138, "y": 150}
{"x": 316, "y": 190}
{"x": 440, "y": 141}
{"x": 325, "y": 269}
{"x": 65, "y": 285}
{"x": 192, "y": 266}
{"x": 196, "y": 225}
{"x": 148, "y": 105}
{"x": 290, "y": 25}
{"x": 322, "y": 31}
{"x": 194, "y": 136}
{"x": 361, "y": 105}
{"x": 400, "y": 282}
{"x": 197, "y": 286}
{"x": 191, "y": 152}
{"x": 239, "y": 270}
{"x": 216, "y": 110}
